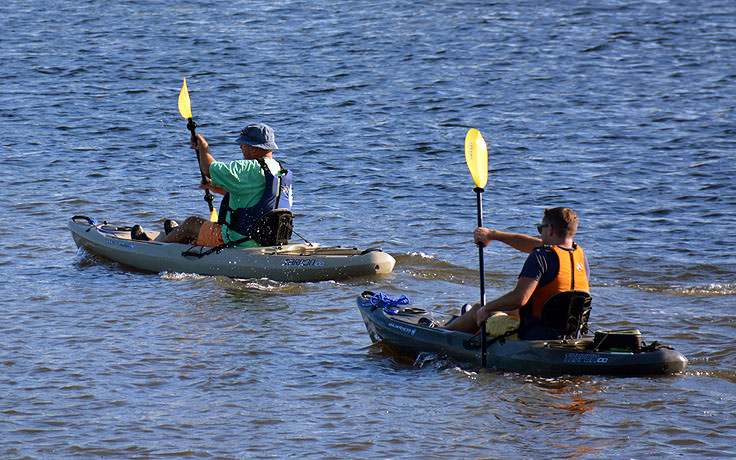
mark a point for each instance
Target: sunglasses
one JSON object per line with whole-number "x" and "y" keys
{"x": 541, "y": 226}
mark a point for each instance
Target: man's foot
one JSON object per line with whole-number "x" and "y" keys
{"x": 169, "y": 225}
{"x": 137, "y": 233}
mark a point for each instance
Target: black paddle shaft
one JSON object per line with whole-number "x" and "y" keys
{"x": 479, "y": 193}
{"x": 192, "y": 127}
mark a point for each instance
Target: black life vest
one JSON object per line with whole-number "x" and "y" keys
{"x": 276, "y": 195}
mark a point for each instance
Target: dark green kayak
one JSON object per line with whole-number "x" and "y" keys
{"x": 411, "y": 330}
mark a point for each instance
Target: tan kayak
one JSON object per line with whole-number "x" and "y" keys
{"x": 290, "y": 262}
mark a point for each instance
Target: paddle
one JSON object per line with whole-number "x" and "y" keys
{"x": 185, "y": 109}
{"x": 476, "y": 155}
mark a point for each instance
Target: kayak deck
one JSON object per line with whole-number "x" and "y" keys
{"x": 290, "y": 262}
{"x": 411, "y": 330}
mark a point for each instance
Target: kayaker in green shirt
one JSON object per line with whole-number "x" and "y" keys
{"x": 245, "y": 182}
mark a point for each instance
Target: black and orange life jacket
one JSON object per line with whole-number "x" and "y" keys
{"x": 570, "y": 276}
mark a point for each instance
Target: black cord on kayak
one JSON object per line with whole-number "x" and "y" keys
{"x": 300, "y": 236}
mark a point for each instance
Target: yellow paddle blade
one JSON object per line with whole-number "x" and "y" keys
{"x": 185, "y": 105}
{"x": 476, "y": 154}
{"x": 213, "y": 215}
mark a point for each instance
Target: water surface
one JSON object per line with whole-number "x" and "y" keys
{"x": 621, "y": 110}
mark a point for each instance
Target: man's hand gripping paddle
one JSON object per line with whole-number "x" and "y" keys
{"x": 185, "y": 109}
{"x": 476, "y": 155}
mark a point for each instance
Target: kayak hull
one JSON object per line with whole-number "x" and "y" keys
{"x": 292, "y": 262}
{"x": 402, "y": 332}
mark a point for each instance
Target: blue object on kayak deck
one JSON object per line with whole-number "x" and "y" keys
{"x": 381, "y": 300}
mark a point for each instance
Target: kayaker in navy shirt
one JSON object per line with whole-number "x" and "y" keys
{"x": 555, "y": 264}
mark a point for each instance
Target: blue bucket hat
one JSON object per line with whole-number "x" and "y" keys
{"x": 258, "y": 135}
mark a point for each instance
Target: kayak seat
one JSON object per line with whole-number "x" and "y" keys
{"x": 274, "y": 228}
{"x": 567, "y": 313}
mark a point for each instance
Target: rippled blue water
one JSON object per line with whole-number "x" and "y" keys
{"x": 623, "y": 110}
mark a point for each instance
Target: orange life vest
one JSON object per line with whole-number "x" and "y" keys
{"x": 571, "y": 275}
